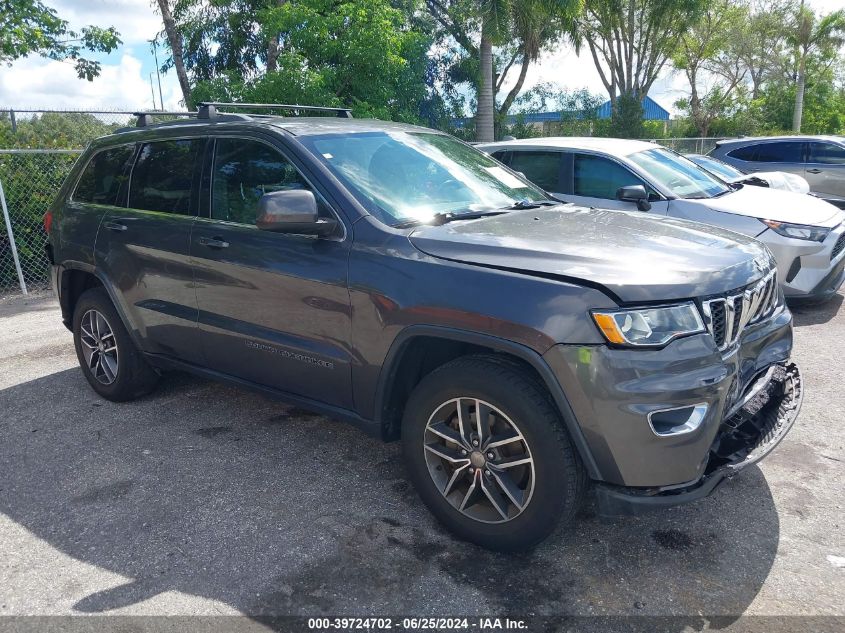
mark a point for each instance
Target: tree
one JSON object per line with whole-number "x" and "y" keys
{"x": 714, "y": 68}
{"x": 630, "y": 42}
{"x": 366, "y": 54}
{"x": 812, "y": 36}
{"x": 520, "y": 29}
{"x": 28, "y": 27}
{"x": 759, "y": 41}
{"x": 174, "y": 40}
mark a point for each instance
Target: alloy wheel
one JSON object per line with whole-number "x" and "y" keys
{"x": 99, "y": 347}
{"x": 479, "y": 460}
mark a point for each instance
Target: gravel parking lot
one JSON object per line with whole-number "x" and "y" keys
{"x": 206, "y": 499}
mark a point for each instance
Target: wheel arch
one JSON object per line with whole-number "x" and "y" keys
{"x": 419, "y": 349}
{"x": 77, "y": 277}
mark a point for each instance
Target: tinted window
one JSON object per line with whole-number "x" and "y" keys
{"x": 104, "y": 177}
{"x": 541, "y": 168}
{"x": 749, "y": 152}
{"x": 827, "y": 154}
{"x": 597, "y": 177}
{"x": 163, "y": 176}
{"x": 243, "y": 172}
{"x": 782, "y": 152}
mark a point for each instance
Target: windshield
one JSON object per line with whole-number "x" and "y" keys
{"x": 411, "y": 176}
{"x": 723, "y": 170}
{"x": 678, "y": 175}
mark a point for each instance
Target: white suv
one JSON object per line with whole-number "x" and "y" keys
{"x": 806, "y": 235}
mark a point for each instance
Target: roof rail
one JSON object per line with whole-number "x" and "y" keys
{"x": 208, "y": 109}
{"x": 145, "y": 119}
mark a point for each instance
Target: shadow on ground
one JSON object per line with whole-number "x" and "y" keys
{"x": 816, "y": 313}
{"x": 216, "y": 492}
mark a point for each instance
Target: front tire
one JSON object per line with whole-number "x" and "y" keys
{"x": 110, "y": 361}
{"x": 503, "y": 479}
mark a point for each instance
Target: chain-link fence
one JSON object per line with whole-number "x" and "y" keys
{"x": 30, "y": 180}
{"x": 699, "y": 145}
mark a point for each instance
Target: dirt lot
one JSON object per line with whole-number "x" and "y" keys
{"x": 204, "y": 499}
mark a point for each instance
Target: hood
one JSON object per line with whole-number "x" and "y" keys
{"x": 631, "y": 256}
{"x": 775, "y": 204}
{"x": 778, "y": 180}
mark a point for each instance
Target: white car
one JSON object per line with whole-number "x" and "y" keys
{"x": 805, "y": 234}
{"x": 773, "y": 179}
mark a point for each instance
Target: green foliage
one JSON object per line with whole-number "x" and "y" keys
{"x": 627, "y": 118}
{"x": 362, "y": 53}
{"x": 54, "y": 130}
{"x": 29, "y": 27}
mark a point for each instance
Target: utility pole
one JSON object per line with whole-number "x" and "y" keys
{"x": 153, "y": 92}
{"x": 154, "y": 43}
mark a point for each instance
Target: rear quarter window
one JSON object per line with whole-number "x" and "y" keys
{"x": 105, "y": 177}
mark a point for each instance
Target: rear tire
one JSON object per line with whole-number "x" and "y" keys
{"x": 110, "y": 361}
{"x": 506, "y": 484}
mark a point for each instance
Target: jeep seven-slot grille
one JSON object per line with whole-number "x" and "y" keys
{"x": 838, "y": 247}
{"x": 726, "y": 317}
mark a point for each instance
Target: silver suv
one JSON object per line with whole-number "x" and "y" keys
{"x": 819, "y": 159}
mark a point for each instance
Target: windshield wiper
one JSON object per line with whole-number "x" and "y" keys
{"x": 442, "y": 218}
{"x": 531, "y": 204}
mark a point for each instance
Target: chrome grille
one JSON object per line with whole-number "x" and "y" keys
{"x": 838, "y": 247}
{"x": 726, "y": 317}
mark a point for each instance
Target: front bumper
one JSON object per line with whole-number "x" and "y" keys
{"x": 615, "y": 393}
{"x": 743, "y": 439}
{"x": 807, "y": 269}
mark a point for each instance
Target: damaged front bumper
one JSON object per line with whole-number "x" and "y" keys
{"x": 751, "y": 431}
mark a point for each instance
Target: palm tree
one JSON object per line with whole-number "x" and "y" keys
{"x": 527, "y": 21}
{"x": 810, "y": 37}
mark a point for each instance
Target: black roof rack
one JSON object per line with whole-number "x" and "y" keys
{"x": 208, "y": 109}
{"x": 145, "y": 119}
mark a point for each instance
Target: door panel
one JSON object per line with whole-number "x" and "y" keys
{"x": 825, "y": 168}
{"x": 144, "y": 249}
{"x": 274, "y": 308}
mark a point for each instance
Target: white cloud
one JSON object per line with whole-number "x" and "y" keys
{"x": 35, "y": 83}
{"x": 136, "y": 20}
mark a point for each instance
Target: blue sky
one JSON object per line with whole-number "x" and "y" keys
{"x": 124, "y": 84}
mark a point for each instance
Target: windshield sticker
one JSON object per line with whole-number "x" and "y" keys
{"x": 505, "y": 178}
{"x": 327, "y": 156}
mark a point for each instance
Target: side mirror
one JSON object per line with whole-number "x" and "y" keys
{"x": 634, "y": 193}
{"x": 292, "y": 211}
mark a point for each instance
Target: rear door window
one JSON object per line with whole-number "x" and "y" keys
{"x": 164, "y": 175}
{"x": 779, "y": 152}
{"x": 598, "y": 177}
{"x": 541, "y": 168}
{"x": 827, "y": 154}
{"x": 105, "y": 177}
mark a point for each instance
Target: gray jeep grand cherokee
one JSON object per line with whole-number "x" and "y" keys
{"x": 524, "y": 351}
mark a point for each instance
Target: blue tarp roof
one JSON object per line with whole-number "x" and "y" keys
{"x": 652, "y": 111}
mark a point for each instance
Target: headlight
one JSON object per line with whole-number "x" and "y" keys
{"x": 649, "y": 326}
{"x": 798, "y": 231}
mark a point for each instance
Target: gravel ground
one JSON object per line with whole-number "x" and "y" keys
{"x": 206, "y": 499}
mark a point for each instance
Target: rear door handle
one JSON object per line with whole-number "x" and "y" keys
{"x": 115, "y": 226}
{"x": 814, "y": 171}
{"x": 213, "y": 242}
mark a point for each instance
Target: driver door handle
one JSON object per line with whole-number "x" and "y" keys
{"x": 814, "y": 171}
{"x": 115, "y": 226}
{"x": 214, "y": 242}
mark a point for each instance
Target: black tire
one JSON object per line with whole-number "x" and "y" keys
{"x": 559, "y": 479}
{"x": 133, "y": 377}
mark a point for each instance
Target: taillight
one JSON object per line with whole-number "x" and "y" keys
{"x": 48, "y": 221}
